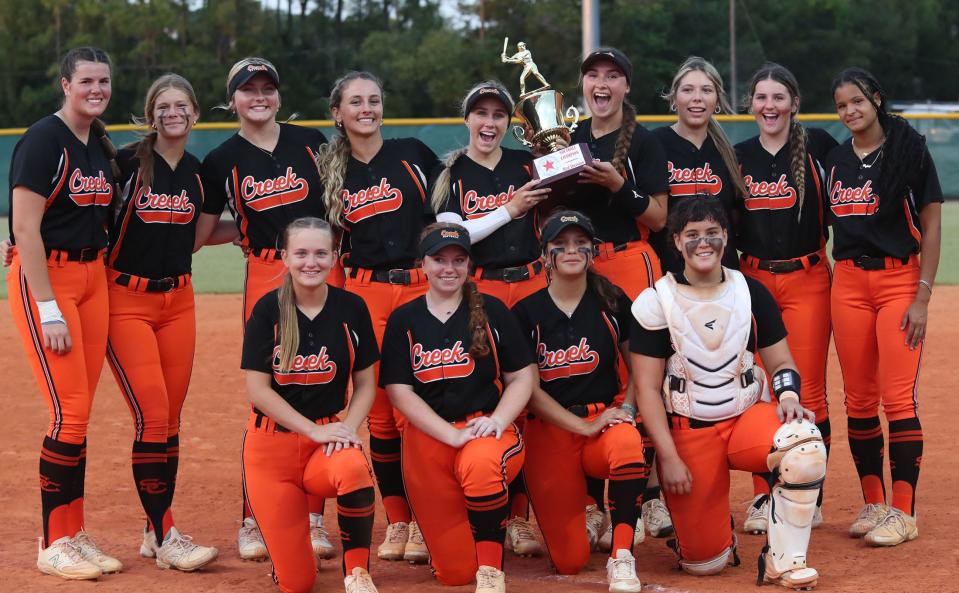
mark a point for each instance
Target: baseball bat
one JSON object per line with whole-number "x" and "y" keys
{"x": 505, "y": 44}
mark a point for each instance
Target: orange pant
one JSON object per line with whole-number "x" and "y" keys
{"x": 265, "y": 273}
{"x": 633, "y": 269}
{"x": 803, "y": 299}
{"x": 877, "y": 366}
{"x": 511, "y": 292}
{"x": 439, "y": 479}
{"x": 701, "y": 518}
{"x": 279, "y": 469}
{"x": 67, "y": 381}
{"x": 557, "y": 463}
{"x": 152, "y": 340}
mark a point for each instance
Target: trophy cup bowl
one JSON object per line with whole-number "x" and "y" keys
{"x": 542, "y": 114}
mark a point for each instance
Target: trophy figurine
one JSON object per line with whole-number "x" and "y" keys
{"x": 544, "y": 128}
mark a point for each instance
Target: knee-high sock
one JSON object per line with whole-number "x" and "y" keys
{"x": 385, "y": 454}
{"x": 487, "y": 517}
{"x": 518, "y": 499}
{"x": 79, "y": 486}
{"x": 626, "y": 485}
{"x": 59, "y": 462}
{"x": 866, "y": 445}
{"x": 905, "y": 456}
{"x": 152, "y": 483}
{"x": 596, "y": 492}
{"x": 355, "y": 513}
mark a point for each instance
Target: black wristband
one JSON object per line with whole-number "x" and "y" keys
{"x": 631, "y": 199}
{"x": 786, "y": 380}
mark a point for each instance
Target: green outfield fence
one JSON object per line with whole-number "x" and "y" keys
{"x": 444, "y": 134}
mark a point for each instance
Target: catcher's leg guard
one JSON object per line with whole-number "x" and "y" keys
{"x": 714, "y": 565}
{"x": 798, "y": 463}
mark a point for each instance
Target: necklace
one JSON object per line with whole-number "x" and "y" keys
{"x": 882, "y": 147}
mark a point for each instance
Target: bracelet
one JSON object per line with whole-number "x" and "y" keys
{"x": 786, "y": 380}
{"x": 629, "y": 408}
{"x": 50, "y": 312}
{"x": 927, "y": 284}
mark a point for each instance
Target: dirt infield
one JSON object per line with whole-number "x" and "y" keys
{"x": 208, "y": 490}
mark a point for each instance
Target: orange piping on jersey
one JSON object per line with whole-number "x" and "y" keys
{"x": 492, "y": 349}
{"x": 459, "y": 182}
{"x": 131, "y": 206}
{"x": 618, "y": 357}
{"x": 814, "y": 170}
{"x": 238, "y": 202}
{"x": 199, "y": 182}
{"x": 416, "y": 180}
{"x": 63, "y": 179}
{"x": 913, "y": 230}
{"x": 349, "y": 369}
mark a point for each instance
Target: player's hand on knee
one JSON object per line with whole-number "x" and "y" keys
{"x": 790, "y": 409}
{"x": 485, "y": 426}
{"x": 674, "y": 476}
{"x": 56, "y": 337}
{"x": 6, "y": 252}
{"x": 914, "y": 322}
{"x": 461, "y": 437}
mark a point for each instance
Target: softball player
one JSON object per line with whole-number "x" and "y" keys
{"x": 624, "y": 193}
{"x": 266, "y": 174}
{"x": 885, "y": 206}
{"x": 782, "y": 236}
{"x": 152, "y": 318}
{"x": 489, "y": 190}
{"x": 578, "y": 328}
{"x": 702, "y": 328}
{"x": 376, "y": 191}
{"x": 305, "y": 344}
{"x": 457, "y": 367}
{"x": 61, "y": 190}
{"x": 700, "y": 159}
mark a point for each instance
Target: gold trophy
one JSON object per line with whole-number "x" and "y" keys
{"x": 543, "y": 124}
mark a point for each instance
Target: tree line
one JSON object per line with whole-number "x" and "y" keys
{"x": 428, "y": 57}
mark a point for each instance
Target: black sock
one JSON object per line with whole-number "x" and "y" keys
{"x": 172, "y": 465}
{"x": 385, "y": 454}
{"x": 596, "y": 489}
{"x": 487, "y": 516}
{"x": 58, "y": 468}
{"x": 867, "y": 447}
{"x": 826, "y": 430}
{"x": 150, "y": 477}
{"x": 355, "y": 514}
{"x": 905, "y": 456}
{"x": 626, "y": 485}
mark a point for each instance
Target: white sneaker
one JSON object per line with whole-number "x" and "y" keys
{"x": 490, "y": 580}
{"x": 394, "y": 546}
{"x": 359, "y": 581}
{"x": 62, "y": 559}
{"x": 178, "y": 551}
{"x": 657, "y": 519}
{"x": 868, "y": 519}
{"x": 92, "y": 553}
{"x": 595, "y": 520}
{"x": 415, "y": 551}
{"x": 521, "y": 538}
{"x": 148, "y": 548}
{"x": 757, "y": 515}
{"x": 319, "y": 537}
{"x": 250, "y": 541}
{"x": 605, "y": 543}
{"x": 817, "y": 518}
{"x": 896, "y": 528}
{"x": 621, "y": 573}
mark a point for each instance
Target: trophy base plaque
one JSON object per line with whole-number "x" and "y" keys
{"x": 556, "y": 167}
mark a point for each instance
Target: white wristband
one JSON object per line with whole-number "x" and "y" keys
{"x": 50, "y": 312}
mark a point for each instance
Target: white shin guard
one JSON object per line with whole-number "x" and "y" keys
{"x": 798, "y": 462}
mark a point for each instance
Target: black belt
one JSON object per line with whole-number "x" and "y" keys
{"x": 152, "y": 285}
{"x": 866, "y": 262}
{"x": 509, "y": 275}
{"x": 394, "y": 276}
{"x": 586, "y": 410}
{"x": 679, "y": 421}
{"x": 266, "y": 253}
{"x": 261, "y": 417}
{"x": 786, "y": 266}
{"x": 87, "y": 254}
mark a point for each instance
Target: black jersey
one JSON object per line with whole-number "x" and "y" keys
{"x": 578, "y": 355}
{"x": 612, "y": 213}
{"x": 770, "y": 223}
{"x": 693, "y": 171}
{"x": 475, "y": 191}
{"x": 264, "y": 190}
{"x": 385, "y": 205}
{"x": 334, "y": 344}
{"x": 155, "y": 229}
{"x": 767, "y": 327}
{"x": 433, "y": 357}
{"x": 75, "y": 178}
{"x": 865, "y": 223}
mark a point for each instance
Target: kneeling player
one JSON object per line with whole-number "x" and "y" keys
{"x": 702, "y": 328}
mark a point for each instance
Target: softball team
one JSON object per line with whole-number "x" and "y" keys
{"x": 457, "y": 365}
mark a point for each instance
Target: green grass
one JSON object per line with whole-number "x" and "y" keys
{"x": 219, "y": 269}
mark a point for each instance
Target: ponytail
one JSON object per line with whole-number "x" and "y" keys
{"x": 479, "y": 339}
{"x": 331, "y": 161}
{"x": 626, "y": 130}
{"x": 797, "y": 154}
{"x": 608, "y": 292}
{"x": 100, "y": 132}
{"x": 441, "y": 188}
{"x": 725, "y": 148}
{"x": 289, "y": 330}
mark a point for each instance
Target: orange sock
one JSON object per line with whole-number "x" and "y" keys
{"x": 519, "y": 506}
{"x": 902, "y": 496}
{"x": 490, "y": 554}
{"x": 760, "y": 484}
{"x": 357, "y": 557}
{"x": 316, "y": 503}
{"x": 622, "y": 538}
{"x": 397, "y": 509}
{"x": 873, "y": 491}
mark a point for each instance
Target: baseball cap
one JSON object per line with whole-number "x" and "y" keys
{"x": 609, "y": 54}
{"x": 246, "y": 69}
{"x": 485, "y": 91}
{"x": 559, "y": 221}
{"x": 444, "y": 236}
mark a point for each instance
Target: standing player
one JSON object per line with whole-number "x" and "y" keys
{"x": 578, "y": 328}
{"x": 305, "y": 345}
{"x": 885, "y": 206}
{"x": 624, "y": 193}
{"x": 152, "y": 318}
{"x": 376, "y": 191}
{"x": 489, "y": 190}
{"x": 782, "y": 236}
{"x": 61, "y": 190}
{"x": 702, "y": 328}
{"x": 700, "y": 159}
{"x": 456, "y": 366}
{"x": 266, "y": 173}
